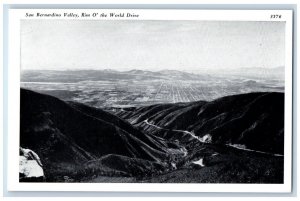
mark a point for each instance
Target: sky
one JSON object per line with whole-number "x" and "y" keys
{"x": 150, "y": 45}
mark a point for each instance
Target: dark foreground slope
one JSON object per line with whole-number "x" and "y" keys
{"x": 244, "y": 144}
{"x": 67, "y": 136}
{"x": 78, "y": 143}
{"x": 254, "y": 120}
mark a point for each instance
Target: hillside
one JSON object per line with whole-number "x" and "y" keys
{"x": 253, "y": 120}
{"x": 66, "y": 135}
{"x": 234, "y": 139}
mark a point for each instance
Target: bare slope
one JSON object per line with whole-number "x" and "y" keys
{"x": 254, "y": 120}
{"x": 68, "y": 134}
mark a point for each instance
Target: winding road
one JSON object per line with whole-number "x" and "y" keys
{"x": 203, "y": 140}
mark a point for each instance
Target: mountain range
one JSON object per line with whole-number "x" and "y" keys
{"x": 102, "y": 75}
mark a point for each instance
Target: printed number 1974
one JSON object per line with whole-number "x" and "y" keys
{"x": 276, "y": 16}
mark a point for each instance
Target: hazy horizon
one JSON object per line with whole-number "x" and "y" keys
{"x": 151, "y": 45}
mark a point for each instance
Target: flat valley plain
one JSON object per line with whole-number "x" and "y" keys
{"x": 115, "y": 89}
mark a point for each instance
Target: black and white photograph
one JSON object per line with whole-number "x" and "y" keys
{"x": 152, "y": 101}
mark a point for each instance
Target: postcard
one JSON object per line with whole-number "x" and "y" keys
{"x": 150, "y": 100}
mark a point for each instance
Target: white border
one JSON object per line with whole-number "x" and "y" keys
{"x": 15, "y": 15}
